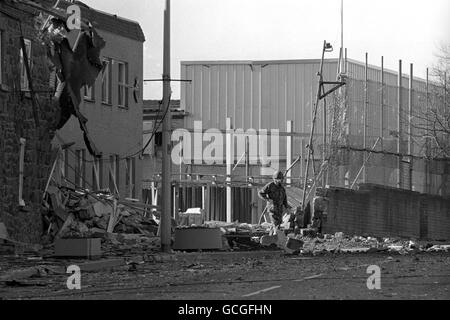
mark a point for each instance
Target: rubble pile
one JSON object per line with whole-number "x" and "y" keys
{"x": 81, "y": 214}
{"x": 339, "y": 242}
{"x": 237, "y": 228}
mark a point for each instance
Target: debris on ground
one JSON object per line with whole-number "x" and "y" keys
{"x": 75, "y": 213}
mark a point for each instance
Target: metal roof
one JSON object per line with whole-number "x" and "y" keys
{"x": 108, "y": 22}
{"x": 255, "y": 62}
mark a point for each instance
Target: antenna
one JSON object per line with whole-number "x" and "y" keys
{"x": 342, "y": 38}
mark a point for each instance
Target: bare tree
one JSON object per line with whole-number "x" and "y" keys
{"x": 434, "y": 120}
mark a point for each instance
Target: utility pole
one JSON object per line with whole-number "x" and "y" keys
{"x": 167, "y": 129}
{"x": 342, "y": 37}
{"x": 410, "y": 119}
{"x": 399, "y": 127}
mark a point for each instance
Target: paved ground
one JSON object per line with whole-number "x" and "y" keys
{"x": 257, "y": 275}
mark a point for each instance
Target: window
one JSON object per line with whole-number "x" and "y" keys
{"x": 88, "y": 92}
{"x": 24, "y": 84}
{"x": 123, "y": 84}
{"x": 114, "y": 165}
{"x": 106, "y": 81}
{"x": 97, "y": 174}
{"x": 80, "y": 169}
{"x": 130, "y": 177}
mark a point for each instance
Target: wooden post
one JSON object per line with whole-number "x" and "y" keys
{"x": 229, "y": 162}
{"x": 289, "y": 146}
{"x": 399, "y": 127}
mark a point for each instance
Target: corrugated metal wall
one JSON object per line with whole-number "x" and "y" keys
{"x": 266, "y": 94}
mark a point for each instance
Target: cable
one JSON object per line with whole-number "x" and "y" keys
{"x": 125, "y": 157}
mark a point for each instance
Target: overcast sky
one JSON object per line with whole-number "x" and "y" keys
{"x": 410, "y": 30}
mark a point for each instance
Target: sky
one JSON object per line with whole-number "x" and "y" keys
{"x": 411, "y": 30}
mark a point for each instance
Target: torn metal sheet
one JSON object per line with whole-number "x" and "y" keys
{"x": 76, "y": 65}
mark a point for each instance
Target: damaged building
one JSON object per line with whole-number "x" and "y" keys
{"x": 70, "y": 100}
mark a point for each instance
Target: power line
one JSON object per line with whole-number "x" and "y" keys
{"x": 125, "y": 157}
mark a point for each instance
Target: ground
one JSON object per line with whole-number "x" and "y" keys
{"x": 260, "y": 275}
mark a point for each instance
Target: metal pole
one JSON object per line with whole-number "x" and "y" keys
{"x": 288, "y": 152}
{"x": 410, "y": 140}
{"x": 229, "y": 159}
{"x": 305, "y": 185}
{"x": 382, "y": 117}
{"x": 167, "y": 126}
{"x": 247, "y": 158}
{"x": 346, "y": 61}
{"x": 364, "y": 164}
{"x": 366, "y": 106}
{"x": 382, "y": 103}
{"x": 342, "y": 35}
{"x": 427, "y": 140}
{"x": 399, "y": 126}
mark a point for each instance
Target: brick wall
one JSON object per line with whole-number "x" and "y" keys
{"x": 387, "y": 212}
{"x": 16, "y": 121}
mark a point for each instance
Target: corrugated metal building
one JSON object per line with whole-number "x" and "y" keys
{"x": 267, "y": 94}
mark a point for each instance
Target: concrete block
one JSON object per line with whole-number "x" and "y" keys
{"x": 78, "y": 248}
{"x": 294, "y": 244}
{"x": 197, "y": 239}
{"x": 268, "y": 240}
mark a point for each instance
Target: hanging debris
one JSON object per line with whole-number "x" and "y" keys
{"x": 76, "y": 65}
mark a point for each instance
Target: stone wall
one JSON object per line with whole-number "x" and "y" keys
{"x": 17, "y": 121}
{"x": 387, "y": 212}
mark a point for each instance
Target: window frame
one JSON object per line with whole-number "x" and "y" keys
{"x": 106, "y": 89}
{"x": 114, "y": 165}
{"x": 24, "y": 82}
{"x": 97, "y": 173}
{"x": 122, "y": 85}
{"x": 131, "y": 177}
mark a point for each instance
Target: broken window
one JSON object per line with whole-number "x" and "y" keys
{"x": 106, "y": 81}
{"x": 130, "y": 177}
{"x": 97, "y": 173}
{"x": 24, "y": 84}
{"x": 114, "y": 163}
{"x": 80, "y": 169}
{"x": 88, "y": 92}
{"x": 123, "y": 84}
